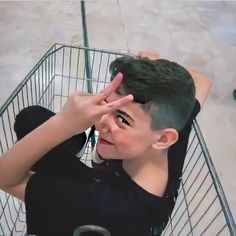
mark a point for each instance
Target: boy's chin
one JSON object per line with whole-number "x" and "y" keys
{"x": 102, "y": 155}
{"x": 106, "y": 156}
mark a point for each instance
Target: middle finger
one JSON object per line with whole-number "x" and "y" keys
{"x": 113, "y": 85}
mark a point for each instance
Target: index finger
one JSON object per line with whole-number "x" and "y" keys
{"x": 112, "y": 106}
{"x": 113, "y": 85}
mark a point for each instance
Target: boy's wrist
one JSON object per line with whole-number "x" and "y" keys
{"x": 58, "y": 127}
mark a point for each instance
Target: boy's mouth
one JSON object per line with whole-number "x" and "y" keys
{"x": 104, "y": 141}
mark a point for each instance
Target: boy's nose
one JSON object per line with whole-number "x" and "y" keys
{"x": 104, "y": 123}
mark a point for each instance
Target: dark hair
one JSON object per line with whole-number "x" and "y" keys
{"x": 164, "y": 89}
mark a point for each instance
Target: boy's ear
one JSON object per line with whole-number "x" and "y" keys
{"x": 165, "y": 138}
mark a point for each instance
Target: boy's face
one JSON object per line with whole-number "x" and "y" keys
{"x": 125, "y": 133}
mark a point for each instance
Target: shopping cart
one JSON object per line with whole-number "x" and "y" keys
{"x": 201, "y": 207}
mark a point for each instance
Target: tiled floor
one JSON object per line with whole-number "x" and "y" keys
{"x": 198, "y": 34}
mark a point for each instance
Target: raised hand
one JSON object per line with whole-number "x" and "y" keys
{"x": 82, "y": 110}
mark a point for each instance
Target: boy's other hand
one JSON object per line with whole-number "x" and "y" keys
{"x": 150, "y": 55}
{"x": 82, "y": 110}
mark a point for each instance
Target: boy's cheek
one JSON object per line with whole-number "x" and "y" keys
{"x": 123, "y": 142}
{"x": 128, "y": 147}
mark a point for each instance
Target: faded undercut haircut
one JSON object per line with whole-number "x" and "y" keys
{"x": 164, "y": 89}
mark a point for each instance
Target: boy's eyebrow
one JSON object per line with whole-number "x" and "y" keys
{"x": 125, "y": 114}
{"x": 122, "y": 112}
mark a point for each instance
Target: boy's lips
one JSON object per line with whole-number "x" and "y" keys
{"x": 104, "y": 141}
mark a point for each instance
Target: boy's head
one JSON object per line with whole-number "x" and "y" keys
{"x": 164, "y": 95}
{"x": 164, "y": 89}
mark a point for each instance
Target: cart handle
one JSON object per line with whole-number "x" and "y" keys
{"x": 91, "y": 228}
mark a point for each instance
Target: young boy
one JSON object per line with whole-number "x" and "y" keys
{"x": 147, "y": 130}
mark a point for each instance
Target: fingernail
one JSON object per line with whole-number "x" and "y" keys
{"x": 131, "y": 97}
{"x": 120, "y": 75}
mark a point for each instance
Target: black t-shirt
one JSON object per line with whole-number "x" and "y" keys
{"x": 56, "y": 204}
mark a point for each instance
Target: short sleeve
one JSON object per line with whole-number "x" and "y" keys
{"x": 194, "y": 113}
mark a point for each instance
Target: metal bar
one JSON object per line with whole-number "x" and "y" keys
{"x": 201, "y": 168}
{"x": 216, "y": 181}
{"x": 7, "y": 223}
{"x": 221, "y": 230}
{"x": 18, "y": 103}
{"x": 99, "y": 70}
{"x": 186, "y": 209}
{"x": 180, "y": 204}
{"x": 204, "y": 212}
{"x": 1, "y": 227}
{"x": 19, "y": 87}
{"x": 22, "y": 97}
{"x": 208, "y": 226}
{"x": 188, "y": 221}
{"x": 93, "y": 49}
{"x": 27, "y": 94}
{"x": 87, "y": 57}
{"x": 5, "y": 204}
{"x": 107, "y": 66}
{"x": 35, "y": 89}
{"x": 86, "y": 43}
{"x": 44, "y": 92}
{"x": 84, "y": 24}
{"x": 69, "y": 79}
{"x": 62, "y": 73}
{"x": 31, "y": 90}
{"x": 42, "y": 82}
{"x": 17, "y": 217}
{"x": 46, "y": 81}
{"x": 10, "y": 126}
{"x": 39, "y": 90}
{"x": 77, "y": 70}
{"x": 49, "y": 79}
{"x": 199, "y": 187}
{"x": 88, "y": 72}
{"x": 54, "y": 77}
{"x": 90, "y": 66}
{"x": 13, "y": 107}
{"x": 185, "y": 167}
{"x": 190, "y": 145}
{"x": 195, "y": 163}
{"x": 1, "y": 146}
{"x": 5, "y": 134}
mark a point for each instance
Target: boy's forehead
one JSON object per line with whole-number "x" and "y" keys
{"x": 133, "y": 109}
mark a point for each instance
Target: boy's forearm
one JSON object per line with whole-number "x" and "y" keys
{"x": 16, "y": 162}
{"x": 202, "y": 84}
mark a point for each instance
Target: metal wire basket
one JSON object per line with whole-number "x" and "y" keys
{"x": 201, "y": 207}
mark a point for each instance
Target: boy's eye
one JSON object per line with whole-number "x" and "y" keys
{"x": 122, "y": 120}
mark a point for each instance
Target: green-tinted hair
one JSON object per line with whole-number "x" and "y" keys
{"x": 164, "y": 89}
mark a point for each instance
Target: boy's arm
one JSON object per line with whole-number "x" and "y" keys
{"x": 202, "y": 83}
{"x": 15, "y": 164}
{"x": 79, "y": 113}
{"x": 18, "y": 190}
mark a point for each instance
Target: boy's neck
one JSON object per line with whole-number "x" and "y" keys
{"x": 150, "y": 172}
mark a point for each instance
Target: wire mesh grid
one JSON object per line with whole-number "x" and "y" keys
{"x": 200, "y": 209}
